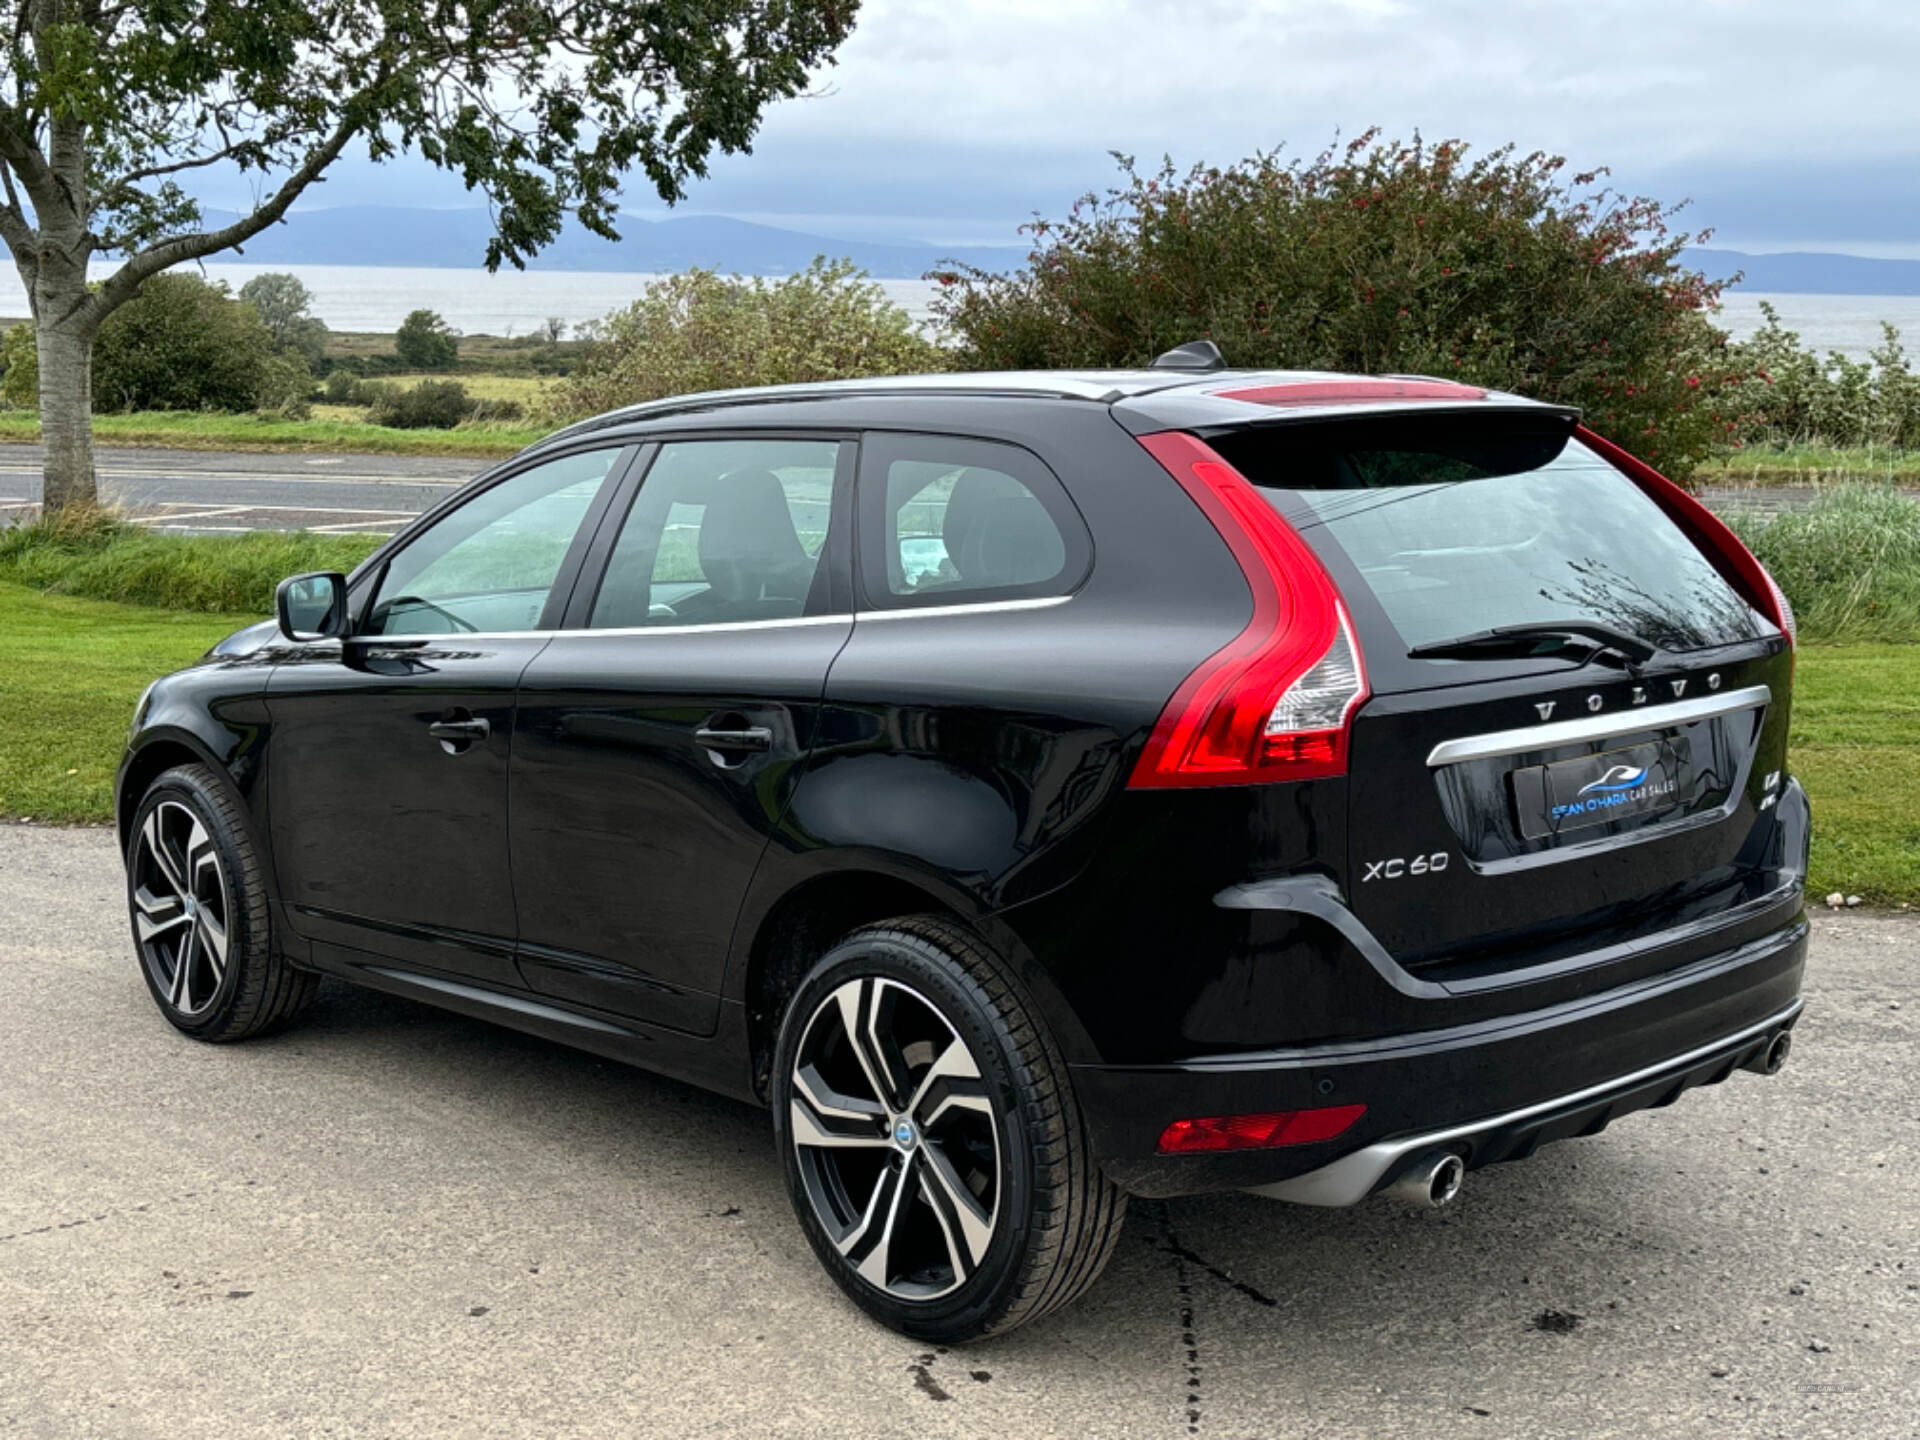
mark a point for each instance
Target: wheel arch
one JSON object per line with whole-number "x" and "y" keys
{"x": 816, "y": 913}
{"x": 152, "y": 756}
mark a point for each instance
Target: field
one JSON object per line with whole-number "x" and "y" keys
{"x": 73, "y": 668}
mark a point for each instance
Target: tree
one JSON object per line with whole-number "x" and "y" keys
{"x": 284, "y": 304}
{"x": 108, "y": 111}
{"x": 1382, "y": 257}
{"x": 423, "y": 342}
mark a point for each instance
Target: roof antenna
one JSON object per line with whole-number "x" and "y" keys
{"x": 1195, "y": 355}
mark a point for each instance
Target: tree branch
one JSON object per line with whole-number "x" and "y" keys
{"x": 19, "y": 151}
{"x": 124, "y": 282}
{"x": 14, "y": 229}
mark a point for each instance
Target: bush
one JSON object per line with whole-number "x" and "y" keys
{"x": 95, "y": 554}
{"x": 1790, "y": 396}
{"x": 430, "y": 405}
{"x": 1383, "y": 257}
{"x": 339, "y": 387}
{"x": 1850, "y": 562}
{"x": 700, "y": 331}
{"x": 180, "y": 344}
{"x": 20, "y": 386}
{"x": 424, "y": 342}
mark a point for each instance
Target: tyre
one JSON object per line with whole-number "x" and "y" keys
{"x": 198, "y": 905}
{"x": 934, "y": 1152}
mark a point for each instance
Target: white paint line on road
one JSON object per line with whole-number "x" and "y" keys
{"x": 345, "y": 527}
{"x": 294, "y": 509}
{"x": 190, "y": 515}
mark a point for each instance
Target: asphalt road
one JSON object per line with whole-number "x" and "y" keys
{"x": 218, "y": 491}
{"x": 398, "y": 1222}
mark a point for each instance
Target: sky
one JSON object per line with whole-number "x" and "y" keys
{"x": 1790, "y": 124}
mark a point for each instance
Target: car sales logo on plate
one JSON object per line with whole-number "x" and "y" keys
{"x": 1622, "y": 787}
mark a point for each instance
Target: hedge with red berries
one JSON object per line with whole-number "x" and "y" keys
{"x": 1378, "y": 257}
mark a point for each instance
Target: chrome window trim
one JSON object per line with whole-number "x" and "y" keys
{"x": 976, "y": 607}
{"x": 1596, "y": 727}
{"x": 414, "y": 642}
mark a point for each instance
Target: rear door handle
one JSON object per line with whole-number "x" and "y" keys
{"x": 456, "y": 736}
{"x": 750, "y": 737}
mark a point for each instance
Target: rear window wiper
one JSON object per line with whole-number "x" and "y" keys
{"x": 1523, "y": 641}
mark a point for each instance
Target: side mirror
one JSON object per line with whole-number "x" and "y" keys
{"x": 312, "y": 607}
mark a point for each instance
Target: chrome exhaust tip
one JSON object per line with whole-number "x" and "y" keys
{"x": 1770, "y": 1060}
{"x": 1431, "y": 1181}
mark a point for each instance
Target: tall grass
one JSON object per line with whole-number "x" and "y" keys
{"x": 1850, "y": 562}
{"x": 96, "y": 555}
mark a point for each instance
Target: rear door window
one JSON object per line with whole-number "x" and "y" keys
{"x": 947, "y": 521}
{"x": 722, "y": 532}
{"x": 1458, "y": 525}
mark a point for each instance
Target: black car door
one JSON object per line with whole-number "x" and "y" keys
{"x": 388, "y": 760}
{"x": 657, "y": 737}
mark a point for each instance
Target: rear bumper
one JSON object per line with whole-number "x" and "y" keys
{"x": 1493, "y": 1090}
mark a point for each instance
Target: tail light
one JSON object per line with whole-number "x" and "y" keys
{"x": 1275, "y": 702}
{"x": 1707, "y": 530}
{"x": 1258, "y": 1132}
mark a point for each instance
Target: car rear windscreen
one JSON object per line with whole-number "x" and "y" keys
{"x": 1459, "y": 524}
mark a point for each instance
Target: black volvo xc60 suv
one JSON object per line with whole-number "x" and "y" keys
{"x": 1037, "y": 789}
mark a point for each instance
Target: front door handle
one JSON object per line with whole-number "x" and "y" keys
{"x": 457, "y": 735}
{"x": 746, "y": 738}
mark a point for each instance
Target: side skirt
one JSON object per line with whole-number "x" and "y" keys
{"x": 717, "y": 1062}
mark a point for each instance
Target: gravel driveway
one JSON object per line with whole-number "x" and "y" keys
{"x": 396, "y": 1222}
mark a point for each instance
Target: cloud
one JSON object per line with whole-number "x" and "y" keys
{"x": 955, "y": 119}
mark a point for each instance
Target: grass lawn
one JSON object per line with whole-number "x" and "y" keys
{"x": 70, "y": 671}
{"x": 1856, "y": 747}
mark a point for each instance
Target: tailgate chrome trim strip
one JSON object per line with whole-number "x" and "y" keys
{"x": 1617, "y": 724}
{"x": 1350, "y": 1179}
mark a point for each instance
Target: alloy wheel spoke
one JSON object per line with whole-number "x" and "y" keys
{"x": 810, "y": 1129}
{"x": 949, "y": 1227}
{"x": 163, "y": 858}
{"x": 975, "y": 1225}
{"x": 958, "y": 1095}
{"x": 155, "y": 915}
{"x": 213, "y": 939}
{"x": 871, "y": 1247}
{"x": 953, "y": 1063}
{"x": 830, "y": 1105}
{"x": 180, "y": 992}
{"x": 200, "y": 858}
{"x": 853, "y": 998}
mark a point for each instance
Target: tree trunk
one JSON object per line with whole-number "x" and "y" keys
{"x": 66, "y": 416}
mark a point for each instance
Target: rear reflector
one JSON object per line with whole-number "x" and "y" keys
{"x": 1258, "y": 1132}
{"x": 1707, "y": 531}
{"x": 1274, "y": 702}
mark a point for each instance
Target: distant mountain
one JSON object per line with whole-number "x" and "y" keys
{"x": 1808, "y": 272}
{"x": 457, "y": 239}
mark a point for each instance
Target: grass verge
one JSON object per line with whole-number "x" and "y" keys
{"x": 96, "y": 557}
{"x": 195, "y": 430}
{"x": 1849, "y": 562}
{"x": 1811, "y": 465}
{"x": 71, "y": 670}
